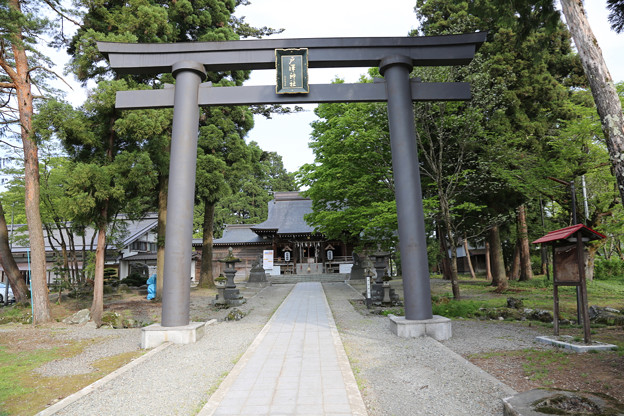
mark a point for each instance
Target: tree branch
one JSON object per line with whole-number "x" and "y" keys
{"x": 60, "y": 13}
{"x": 7, "y": 68}
{"x": 9, "y": 144}
{"x": 51, "y": 72}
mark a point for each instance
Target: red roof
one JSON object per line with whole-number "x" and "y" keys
{"x": 564, "y": 233}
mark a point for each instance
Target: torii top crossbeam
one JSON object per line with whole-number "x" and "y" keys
{"x": 155, "y": 58}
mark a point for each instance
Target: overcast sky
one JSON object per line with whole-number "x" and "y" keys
{"x": 288, "y": 135}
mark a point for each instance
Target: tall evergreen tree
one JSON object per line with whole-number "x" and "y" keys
{"x": 110, "y": 173}
{"x": 183, "y": 21}
{"x": 24, "y": 74}
{"x": 521, "y": 80}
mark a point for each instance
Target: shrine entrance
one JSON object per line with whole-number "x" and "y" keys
{"x": 189, "y": 62}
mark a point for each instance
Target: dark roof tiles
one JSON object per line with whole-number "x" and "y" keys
{"x": 286, "y": 214}
{"x": 239, "y": 234}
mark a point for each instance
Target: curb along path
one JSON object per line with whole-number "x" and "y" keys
{"x": 296, "y": 366}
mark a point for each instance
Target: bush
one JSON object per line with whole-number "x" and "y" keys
{"x": 135, "y": 280}
{"x": 609, "y": 269}
{"x": 110, "y": 276}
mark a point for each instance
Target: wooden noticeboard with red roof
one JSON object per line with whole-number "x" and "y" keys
{"x": 569, "y": 266}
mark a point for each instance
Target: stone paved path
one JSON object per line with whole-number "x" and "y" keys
{"x": 296, "y": 366}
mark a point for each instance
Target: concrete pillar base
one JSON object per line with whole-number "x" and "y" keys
{"x": 155, "y": 334}
{"x": 438, "y": 328}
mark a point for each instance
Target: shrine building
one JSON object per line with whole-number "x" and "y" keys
{"x": 296, "y": 247}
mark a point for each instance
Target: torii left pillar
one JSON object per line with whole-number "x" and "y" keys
{"x": 418, "y": 320}
{"x": 175, "y": 325}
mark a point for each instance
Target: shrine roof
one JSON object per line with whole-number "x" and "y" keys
{"x": 565, "y": 233}
{"x": 286, "y": 214}
{"x": 237, "y": 234}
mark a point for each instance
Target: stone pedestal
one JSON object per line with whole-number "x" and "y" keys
{"x": 154, "y": 335}
{"x": 438, "y": 327}
{"x": 233, "y": 297}
{"x": 220, "y": 300}
{"x": 383, "y": 294}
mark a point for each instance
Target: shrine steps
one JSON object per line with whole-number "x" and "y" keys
{"x": 297, "y": 278}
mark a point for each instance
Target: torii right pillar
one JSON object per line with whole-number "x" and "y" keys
{"x": 418, "y": 320}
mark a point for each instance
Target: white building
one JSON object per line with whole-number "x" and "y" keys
{"x": 130, "y": 249}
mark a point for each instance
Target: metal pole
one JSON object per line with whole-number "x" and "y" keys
{"x": 585, "y": 204}
{"x": 180, "y": 200}
{"x": 411, "y": 221}
{"x": 555, "y": 291}
{"x": 579, "y": 315}
{"x": 582, "y": 288}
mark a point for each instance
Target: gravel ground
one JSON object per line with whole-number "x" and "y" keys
{"x": 115, "y": 341}
{"x": 397, "y": 376}
{"x": 178, "y": 380}
{"x": 417, "y": 376}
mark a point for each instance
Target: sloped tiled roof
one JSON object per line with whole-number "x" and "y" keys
{"x": 286, "y": 213}
{"x": 238, "y": 234}
{"x": 134, "y": 230}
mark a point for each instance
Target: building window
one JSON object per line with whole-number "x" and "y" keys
{"x": 143, "y": 246}
{"x": 139, "y": 246}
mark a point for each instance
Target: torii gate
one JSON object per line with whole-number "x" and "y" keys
{"x": 395, "y": 57}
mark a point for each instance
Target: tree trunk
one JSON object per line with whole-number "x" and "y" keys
{"x": 488, "y": 264}
{"x": 21, "y": 80}
{"x": 515, "y": 265}
{"x": 97, "y": 307}
{"x": 591, "y": 261}
{"x": 454, "y": 277}
{"x": 18, "y": 285}
{"x": 526, "y": 270}
{"x": 451, "y": 238}
{"x": 446, "y": 263}
{"x": 544, "y": 255}
{"x": 162, "y": 225}
{"x": 499, "y": 278}
{"x": 601, "y": 84}
{"x": 74, "y": 261}
{"x": 84, "y": 258}
{"x": 472, "y": 272}
{"x": 206, "y": 279}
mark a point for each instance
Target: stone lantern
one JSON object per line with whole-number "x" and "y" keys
{"x": 231, "y": 295}
{"x": 382, "y": 293}
{"x": 380, "y": 262}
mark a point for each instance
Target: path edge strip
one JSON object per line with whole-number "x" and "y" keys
{"x": 358, "y": 408}
{"x": 215, "y": 399}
